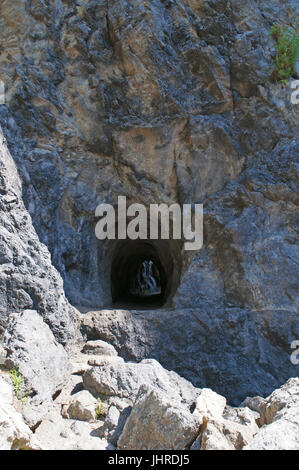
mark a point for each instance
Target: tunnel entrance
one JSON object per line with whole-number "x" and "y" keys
{"x": 144, "y": 273}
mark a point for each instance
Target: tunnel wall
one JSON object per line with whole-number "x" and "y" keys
{"x": 127, "y": 254}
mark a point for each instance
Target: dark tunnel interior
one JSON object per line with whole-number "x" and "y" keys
{"x": 144, "y": 273}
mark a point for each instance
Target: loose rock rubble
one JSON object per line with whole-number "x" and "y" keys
{"x": 279, "y": 417}
{"x": 173, "y": 102}
{"x": 183, "y": 108}
{"x": 138, "y": 406}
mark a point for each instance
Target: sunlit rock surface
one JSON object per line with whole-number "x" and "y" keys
{"x": 172, "y": 102}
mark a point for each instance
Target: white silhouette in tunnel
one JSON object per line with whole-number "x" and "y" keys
{"x": 147, "y": 281}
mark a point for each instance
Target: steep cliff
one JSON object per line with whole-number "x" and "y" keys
{"x": 161, "y": 101}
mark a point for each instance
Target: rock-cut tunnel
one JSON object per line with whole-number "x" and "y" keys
{"x": 144, "y": 273}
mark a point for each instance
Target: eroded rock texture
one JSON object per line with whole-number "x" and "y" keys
{"x": 28, "y": 280}
{"x": 161, "y": 102}
{"x": 14, "y": 433}
{"x": 32, "y": 349}
{"x": 27, "y": 277}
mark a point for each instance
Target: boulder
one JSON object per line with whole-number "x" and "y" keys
{"x": 31, "y": 347}
{"x": 157, "y": 422}
{"x": 244, "y": 416}
{"x": 210, "y": 404}
{"x": 223, "y": 434}
{"x": 123, "y": 380}
{"x": 222, "y": 427}
{"x": 280, "y": 416}
{"x": 281, "y": 401}
{"x": 282, "y": 434}
{"x": 100, "y": 348}
{"x": 82, "y": 407}
{"x": 254, "y": 403}
{"x": 212, "y": 438}
{"x": 14, "y": 433}
{"x": 114, "y": 424}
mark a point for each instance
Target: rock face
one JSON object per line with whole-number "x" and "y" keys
{"x": 123, "y": 379}
{"x": 27, "y": 278}
{"x": 95, "y": 112}
{"x": 32, "y": 349}
{"x": 29, "y": 281}
{"x": 163, "y": 102}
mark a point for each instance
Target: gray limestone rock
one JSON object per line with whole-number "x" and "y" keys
{"x": 157, "y": 422}
{"x": 123, "y": 380}
{"x": 14, "y": 433}
{"x": 280, "y": 415}
{"x": 82, "y": 407}
{"x": 43, "y": 362}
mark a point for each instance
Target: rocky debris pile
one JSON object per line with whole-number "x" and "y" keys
{"x": 111, "y": 98}
{"x": 169, "y": 102}
{"x": 146, "y": 390}
{"x": 212, "y": 348}
{"x": 108, "y": 403}
{"x": 223, "y": 427}
{"x": 279, "y": 417}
